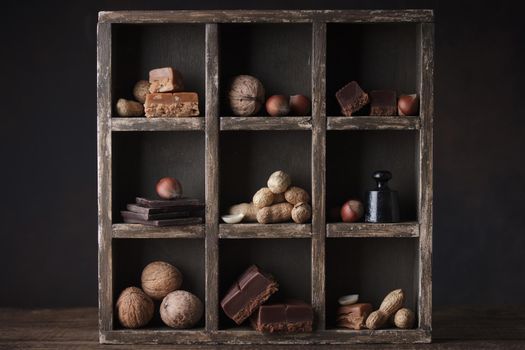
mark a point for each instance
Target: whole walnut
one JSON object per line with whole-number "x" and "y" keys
{"x": 301, "y": 212}
{"x": 160, "y": 278}
{"x": 181, "y": 309}
{"x": 246, "y": 95}
{"x": 134, "y": 308}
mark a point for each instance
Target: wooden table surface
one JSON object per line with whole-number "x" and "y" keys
{"x": 454, "y": 328}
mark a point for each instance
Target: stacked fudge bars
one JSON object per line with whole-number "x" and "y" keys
{"x": 166, "y": 99}
{"x": 160, "y": 212}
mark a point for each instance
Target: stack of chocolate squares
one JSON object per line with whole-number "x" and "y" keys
{"x": 248, "y": 296}
{"x": 164, "y": 212}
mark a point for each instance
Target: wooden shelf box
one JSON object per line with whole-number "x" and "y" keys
{"x": 224, "y": 159}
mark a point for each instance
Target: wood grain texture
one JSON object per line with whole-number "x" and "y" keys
{"x": 372, "y": 123}
{"x": 318, "y": 171}
{"x": 266, "y": 123}
{"x": 267, "y": 16}
{"x": 105, "y": 286}
{"x": 287, "y": 230}
{"x": 455, "y": 327}
{"x": 142, "y": 231}
{"x": 212, "y": 177}
{"x": 408, "y": 229}
{"x": 157, "y": 124}
{"x": 426, "y": 70}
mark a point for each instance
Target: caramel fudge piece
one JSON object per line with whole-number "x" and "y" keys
{"x": 165, "y": 80}
{"x": 165, "y": 105}
{"x": 383, "y": 103}
{"x": 351, "y": 98}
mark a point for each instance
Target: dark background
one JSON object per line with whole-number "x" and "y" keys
{"x": 48, "y": 254}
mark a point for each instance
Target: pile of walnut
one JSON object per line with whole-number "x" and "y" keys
{"x": 160, "y": 97}
{"x": 160, "y": 281}
{"x": 279, "y": 202}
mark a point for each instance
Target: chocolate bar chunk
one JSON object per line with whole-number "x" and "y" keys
{"x": 195, "y": 210}
{"x": 160, "y": 216}
{"x": 292, "y": 316}
{"x": 383, "y": 102}
{"x": 353, "y": 316}
{"x": 166, "y": 222}
{"x": 168, "y": 105}
{"x": 164, "y": 203}
{"x": 351, "y": 98}
{"x": 165, "y": 80}
{"x": 250, "y": 290}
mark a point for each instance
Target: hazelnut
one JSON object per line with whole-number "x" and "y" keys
{"x": 134, "y": 308}
{"x": 181, "y": 309}
{"x": 160, "y": 278}
{"x": 169, "y": 188}
{"x": 299, "y": 105}
{"x": 277, "y": 105}
{"x": 408, "y": 105}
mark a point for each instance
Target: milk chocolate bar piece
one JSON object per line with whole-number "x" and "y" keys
{"x": 351, "y": 98}
{"x": 250, "y": 290}
{"x": 165, "y": 222}
{"x": 164, "y": 203}
{"x": 291, "y": 316}
{"x": 165, "y": 80}
{"x": 353, "y": 316}
{"x": 383, "y": 103}
{"x": 166, "y": 105}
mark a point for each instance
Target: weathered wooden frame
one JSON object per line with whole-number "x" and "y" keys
{"x": 212, "y": 123}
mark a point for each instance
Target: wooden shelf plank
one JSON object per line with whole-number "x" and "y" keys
{"x": 287, "y": 230}
{"x": 372, "y": 123}
{"x": 243, "y": 335}
{"x": 401, "y": 229}
{"x": 268, "y": 16}
{"x": 143, "y": 231}
{"x": 157, "y": 124}
{"x": 266, "y": 123}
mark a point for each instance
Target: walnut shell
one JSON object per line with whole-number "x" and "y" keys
{"x": 279, "y": 182}
{"x": 160, "y": 278}
{"x": 246, "y": 95}
{"x": 296, "y": 195}
{"x": 140, "y": 90}
{"x": 404, "y": 318}
{"x": 301, "y": 212}
{"x": 134, "y": 308}
{"x": 181, "y": 309}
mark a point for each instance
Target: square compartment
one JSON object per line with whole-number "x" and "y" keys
{"x": 279, "y": 55}
{"x": 370, "y": 267}
{"x": 248, "y": 158}
{"x": 287, "y": 260}
{"x": 377, "y": 56}
{"x": 137, "y": 49}
{"x": 140, "y": 159}
{"x": 130, "y": 257}
{"x": 353, "y": 156}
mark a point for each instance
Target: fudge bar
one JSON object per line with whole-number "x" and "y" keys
{"x": 353, "y": 316}
{"x": 383, "y": 103}
{"x": 291, "y": 316}
{"x": 165, "y": 80}
{"x": 351, "y": 98}
{"x": 250, "y": 290}
{"x": 179, "y": 104}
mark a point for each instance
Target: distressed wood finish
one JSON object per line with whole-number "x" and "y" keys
{"x": 212, "y": 178}
{"x": 157, "y": 124}
{"x": 241, "y": 231}
{"x": 426, "y": 88}
{"x": 266, "y": 123}
{"x": 318, "y": 171}
{"x": 142, "y": 231}
{"x": 409, "y": 229}
{"x": 267, "y": 16}
{"x": 373, "y": 123}
{"x": 105, "y": 285}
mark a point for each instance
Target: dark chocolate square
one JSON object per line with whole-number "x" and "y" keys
{"x": 351, "y": 98}
{"x": 383, "y": 103}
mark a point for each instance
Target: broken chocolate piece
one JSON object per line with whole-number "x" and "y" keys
{"x": 353, "y": 316}
{"x": 383, "y": 103}
{"x": 194, "y": 209}
{"x": 250, "y": 290}
{"x": 291, "y": 316}
{"x": 165, "y": 105}
{"x": 159, "y": 216}
{"x": 165, "y": 222}
{"x": 164, "y": 203}
{"x": 165, "y": 80}
{"x": 351, "y": 98}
